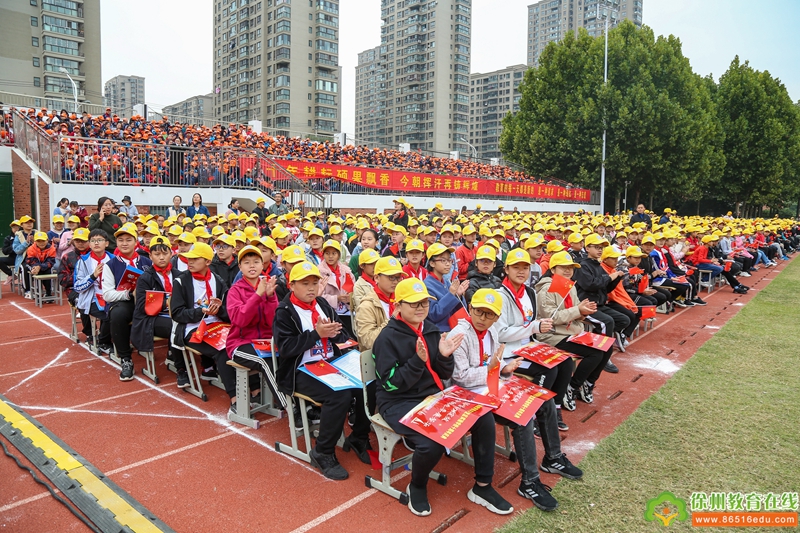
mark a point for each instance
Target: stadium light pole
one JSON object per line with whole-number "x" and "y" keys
{"x": 474, "y": 151}
{"x": 74, "y": 87}
{"x": 606, "y": 16}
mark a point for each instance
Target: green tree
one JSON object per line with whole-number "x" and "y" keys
{"x": 662, "y": 132}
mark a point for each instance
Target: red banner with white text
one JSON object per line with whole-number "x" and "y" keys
{"x": 409, "y": 182}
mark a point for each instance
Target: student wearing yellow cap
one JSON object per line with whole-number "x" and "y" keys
{"x": 89, "y": 286}
{"x": 79, "y": 245}
{"x": 482, "y": 275}
{"x": 39, "y": 259}
{"x": 224, "y": 264}
{"x": 439, "y": 283}
{"x": 377, "y": 304}
{"x": 618, "y": 298}
{"x": 307, "y": 330}
{"x": 336, "y": 276}
{"x": 480, "y": 352}
{"x": 367, "y": 241}
{"x": 7, "y": 262}
{"x": 198, "y": 295}
{"x": 22, "y": 240}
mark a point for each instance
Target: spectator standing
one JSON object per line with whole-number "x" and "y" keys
{"x": 106, "y": 221}
{"x": 641, "y": 216}
{"x": 279, "y": 207}
{"x": 62, "y": 208}
{"x": 176, "y": 208}
{"x": 233, "y": 208}
{"x": 80, "y": 212}
{"x": 197, "y": 207}
{"x": 128, "y": 208}
{"x": 260, "y": 211}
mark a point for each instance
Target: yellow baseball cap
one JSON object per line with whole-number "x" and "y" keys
{"x": 563, "y": 259}
{"x": 594, "y": 238}
{"x": 488, "y": 299}
{"x": 576, "y": 237}
{"x": 239, "y": 236}
{"x": 251, "y": 233}
{"x": 388, "y": 266}
{"x": 330, "y": 243}
{"x": 152, "y": 228}
{"x": 225, "y": 239}
{"x": 315, "y": 232}
{"x": 368, "y": 256}
{"x": 634, "y": 251}
{"x": 269, "y": 242}
{"x": 486, "y": 252}
{"x": 81, "y": 234}
{"x": 201, "y": 233}
{"x": 648, "y": 239}
{"x": 40, "y": 236}
{"x": 25, "y": 218}
{"x": 58, "y": 218}
{"x": 260, "y": 200}
{"x": 293, "y": 254}
{"x": 554, "y": 246}
{"x": 469, "y": 229}
{"x": 160, "y": 239}
{"x": 304, "y": 270}
{"x": 609, "y": 252}
{"x": 401, "y": 229}
{"x": 518, "y": 256}
{"x": 218, "y": 230}
{"x": 534, "y": 241}
{"x": 249, "y": 249}
{"x": 129, "y": 228}
{"x": 279, "y": 232}
{"x": 73, "y": 218}
{"x": 438, "y": 248}
{"x": 335, "y": 230}
{"x": 15, "y": 223}
{"x": 199, "y": 250}
{"x": 175, "y": 230}
{"x": 187, "y": 238}
{"x": 709, "y": 238}
{"x": 411, "y": 290}
{"x": 415, "y": 244}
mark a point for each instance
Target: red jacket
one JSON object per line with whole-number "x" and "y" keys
{"x": 700, "y": 255}
{"x": 464, "y": 256}
{"x": 251, "y": 315}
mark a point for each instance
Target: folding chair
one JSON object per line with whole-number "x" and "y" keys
{"x": 149, "y": 369}
{"x": 243, "y": 397}
{"x": 706, "y": 280}
{"x": 466, "y": 441}
{"x": 195, "y": 387}
{"x": 387, "y": 440}
{"x": 74, "y": 315}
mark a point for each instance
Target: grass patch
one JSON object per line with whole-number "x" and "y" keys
{"x": 726, "y": 422}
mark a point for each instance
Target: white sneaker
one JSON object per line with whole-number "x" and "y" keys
{"x": 745, "y": 274}
{"x": 28, "y": 295}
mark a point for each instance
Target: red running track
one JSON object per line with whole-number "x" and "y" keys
{"x": 184, "y": 461}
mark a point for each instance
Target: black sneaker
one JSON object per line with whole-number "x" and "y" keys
{"x": 561, "y": 466}
{"x": 489, "y": 498}
{"x": 418, "y": 500}
{"x": 688, "y": 303}
{"x": 104, "y": 348}
{"x": 256, "y": 400}
{"x": 611, "y": 368}
{"x": 679, "y": 303}
{"x": 568, "y": 402}
{"x": 740, "y": 290}
{"x": 183, "y": 379}
{"x": 351, "y": 415}
{"x": 328, "y": 465}
{"x": 562, "y": 426}
{"x": 360, "y": 448}
{"x": 89, "y": 341}
{"x": 536, "y": 432}
{"x": 314, "y": 414}
{"x": 127, "y": 370}
{"x": 209, "y": 374}
{"x": 699, "y": 301}
{"x": 298, "y": 419}
{"x": 586, "y": 392}
{"x": 539, "y": 494}
{"x": 232, "y": 409}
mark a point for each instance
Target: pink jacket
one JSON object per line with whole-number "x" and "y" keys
{"x": 251, "y": 315}
{"x": 330, "y": 291}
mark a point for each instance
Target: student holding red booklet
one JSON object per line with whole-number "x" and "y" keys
{"x": 412, "y": 360}
{"x": 568, "y": 312}
{"x": 475, "y": 359}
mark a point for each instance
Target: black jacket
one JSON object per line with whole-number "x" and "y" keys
{"x": 143, "y": 325}
{"x": 402, "y": 375}
{"x": 592, "y": 282}
{"x": 281, "y": 286}
{"x": 66, "y": 269}
{"x": 183, "y": 309}
{"x": 224, "y": 271}
{"x": 292, "y": 341}
{"x": 8, "y": 246}
{"x": 481, "y": 281}
{"x": 577, "y": 255}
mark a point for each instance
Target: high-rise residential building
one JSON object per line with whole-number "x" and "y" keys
{"x": 123, "y": 92}
{"x": 550, "y": 20}
{"x": 195, "y": 110}
{"x": 370, "y": 110}
{"x": 41, "y": 37}
{"x": 492, "y": 96}
{"x": 277, "y": 61}
{"x": 422, "y": 75}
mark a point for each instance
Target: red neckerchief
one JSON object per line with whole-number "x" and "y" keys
{"x": 481, "y": 335}
{"x": 205, "y": 277}
{"x": 229, "y": 262}
{"x": 418, "y": 331}
{"x": 386, "y": 299}
{"x": 99, "y": 295}
{"x": 517, "y": 296}
{"x": 314, "y": 317}
{"x": 183, "y": 260}
{"x": 335, "y": 271}
{"x": 130, "y": 260}
{"x": 164, "y": 273}
{"x": 318, "y": 253}
{"x": 420, "y": 273}
{"x": 369, "y": 280}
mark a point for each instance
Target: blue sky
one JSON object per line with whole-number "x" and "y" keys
{"x": 170, "y": 42}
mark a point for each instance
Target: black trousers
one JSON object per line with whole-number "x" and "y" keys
{"x": 633, "y": 319}
{"x": 335, "y": 405}
{"x": 592, "y": 363}
{"x": 246, "y": 355}
{"x": 608, "y": 320}
{"x": 555, "y": 379}
{"x": 678, "y": 289}
{"x": 210, "y": 356}
{"x": 7, "y": 265}
{"x": 120, "y": 315}
{"x": 105, "y": 326}
{"x": 86, "y": 324}
{"x": 427, "y": 452}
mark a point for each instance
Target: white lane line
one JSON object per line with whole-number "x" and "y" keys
{"x": 51, "y": 366}
{"x": 29, "y": 339}
{"x": 219, "y": 420}
{"x": 169, "y": 453}
{"x": 21, "y": 319}
{"x": 45, "y": 367}
{"x": 346, "y": 505}
{"x": 101, "y": 400}
{"x": 14, "y": 505}
{"x": 97, "y": 412}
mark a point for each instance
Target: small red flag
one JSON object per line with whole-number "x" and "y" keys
{"x": 199, "y": 333}
{"x": 154, "y": 303}
{"x": 460, "y": 313}
{"x": 648, "y": 311}
{"x": 348, "y": 285}
{"x": 635, "y": 271}
{"x": 643, "y": 284}
{"x": 728, "y": 265}
{"x": 689, "y": 272}
{"x": 561, "y": 285}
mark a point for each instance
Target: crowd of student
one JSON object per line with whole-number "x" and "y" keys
{"x": 393, "y": 283}
{"x": 133, "y": 134}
